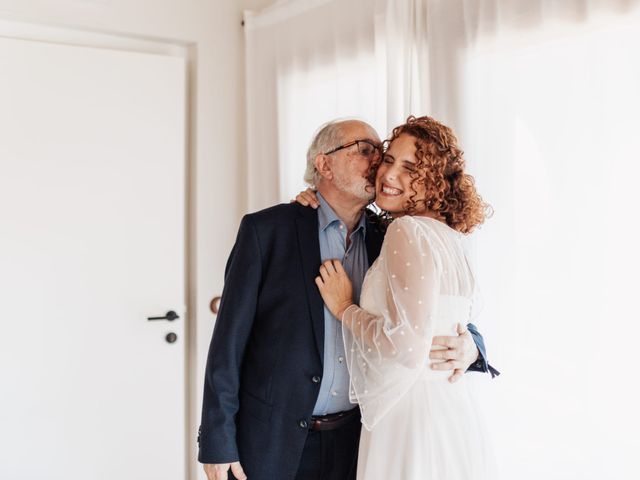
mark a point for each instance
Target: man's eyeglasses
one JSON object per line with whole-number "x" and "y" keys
{"x": 366, "y": 148}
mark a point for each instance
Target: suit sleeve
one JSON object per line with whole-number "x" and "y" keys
{"x": 243, "y": 277}
{"x": 480, "y": 365}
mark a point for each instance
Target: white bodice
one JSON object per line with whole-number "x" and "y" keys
{"x": 419, "y": 287}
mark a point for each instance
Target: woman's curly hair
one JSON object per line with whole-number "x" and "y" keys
{"x": 450, "y": 192}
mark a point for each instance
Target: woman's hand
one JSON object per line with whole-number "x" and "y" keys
{"x": 335, "y": 287}
{"x": 308, "y": 198}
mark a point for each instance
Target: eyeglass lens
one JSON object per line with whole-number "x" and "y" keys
{"x": 366, "y": 149}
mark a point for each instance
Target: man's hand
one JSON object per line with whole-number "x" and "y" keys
{"x": 458, "y": 354}
{"x": 219, "y": 471}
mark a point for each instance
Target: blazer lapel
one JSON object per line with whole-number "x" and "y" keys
{"x": 309, "y": 249}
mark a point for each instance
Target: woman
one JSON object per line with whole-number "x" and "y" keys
{"x": 417, "y": 425}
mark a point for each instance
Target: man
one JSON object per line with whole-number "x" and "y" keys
{"x": 276, "y": 402}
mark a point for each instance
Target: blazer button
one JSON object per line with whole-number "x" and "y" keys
{"x": 303, "y": 424}
{"x": 315, "y": 379}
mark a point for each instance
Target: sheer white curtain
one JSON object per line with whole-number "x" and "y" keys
{"x": 310, "y": 61}
{"x": 544, "y": 97}
{"x": 307, "y": 62}
{"x": 546, "y": 104}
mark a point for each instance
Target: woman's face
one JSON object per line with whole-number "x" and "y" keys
{"x": 393, "y": 179}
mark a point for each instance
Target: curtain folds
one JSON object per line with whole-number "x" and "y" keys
{"x": 544, "y": 97}
{"x": 308, "y": 63}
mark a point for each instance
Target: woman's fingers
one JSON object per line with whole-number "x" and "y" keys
{"x": 330, "y": 266}
{"x": 448, "y": 365}
{"x": 311, "y": 199}
{"x": 327, "y": 270}
{"x": 324, "y": 273}
{"x": 311, "y": 196}
{"x": 334, "y": 286}
{"x": 308, "y": 198}
{"x": 301, "y": 199}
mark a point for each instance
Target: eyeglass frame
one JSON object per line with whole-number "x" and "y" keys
{"x": 377, "y": 148}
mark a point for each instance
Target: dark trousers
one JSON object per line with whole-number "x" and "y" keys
{"x": 331, "y": 454}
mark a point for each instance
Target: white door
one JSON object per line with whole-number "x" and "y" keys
{"x": 92, "y": 242}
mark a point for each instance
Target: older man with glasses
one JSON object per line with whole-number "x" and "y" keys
{"x": 276, "y": 401}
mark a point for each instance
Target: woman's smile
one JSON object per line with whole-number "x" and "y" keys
{"x": 387, "y": 190}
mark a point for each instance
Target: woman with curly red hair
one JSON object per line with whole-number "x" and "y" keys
{"x": 417, "y": 424}
{"x": 434, "y": 177}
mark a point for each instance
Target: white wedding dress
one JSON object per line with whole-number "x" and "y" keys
{"x": 417, "y": 425}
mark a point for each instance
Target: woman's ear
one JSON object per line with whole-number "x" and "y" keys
{"x": 323, "y": 166}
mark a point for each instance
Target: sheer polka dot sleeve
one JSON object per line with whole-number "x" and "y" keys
{"x": 388, "y": 351}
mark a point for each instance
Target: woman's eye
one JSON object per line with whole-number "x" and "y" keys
{"x": 387, "y": 160}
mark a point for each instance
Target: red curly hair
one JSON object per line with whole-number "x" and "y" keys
{"x": 450, "y": 192}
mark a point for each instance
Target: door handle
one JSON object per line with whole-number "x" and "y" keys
{"x": 214, "y": 304}
{"x": 170, "y": 316}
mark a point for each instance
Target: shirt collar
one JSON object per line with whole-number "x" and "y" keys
{"x": 326, "y": 216}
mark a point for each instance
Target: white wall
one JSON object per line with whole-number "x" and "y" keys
{"x": 213, "y": 31}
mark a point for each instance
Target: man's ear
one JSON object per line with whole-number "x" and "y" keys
{"x": 323, "y": 166}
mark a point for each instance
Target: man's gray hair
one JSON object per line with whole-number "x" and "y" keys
{"x": 328, "y": 137}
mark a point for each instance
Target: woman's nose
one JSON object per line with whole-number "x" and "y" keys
{"x": 391, "y": 173}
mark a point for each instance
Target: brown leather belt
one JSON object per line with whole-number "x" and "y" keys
{"x": 333, "y": 420}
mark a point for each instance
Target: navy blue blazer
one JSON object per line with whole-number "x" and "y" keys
{"x": 268, "y": 344}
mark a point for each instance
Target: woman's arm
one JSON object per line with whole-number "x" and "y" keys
{"x": 403, "y": 329}
{"x": 386, "y": 353}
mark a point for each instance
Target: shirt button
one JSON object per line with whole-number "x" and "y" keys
{"x": 341, "y": 226}
{"x": 341, "y": 359}
{"x": 334, "y": 393}
{"x": 303, "y": 424}
{"x": 315, "y": 379}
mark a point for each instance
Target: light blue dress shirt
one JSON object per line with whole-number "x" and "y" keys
{"x": 334, "y": 389}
